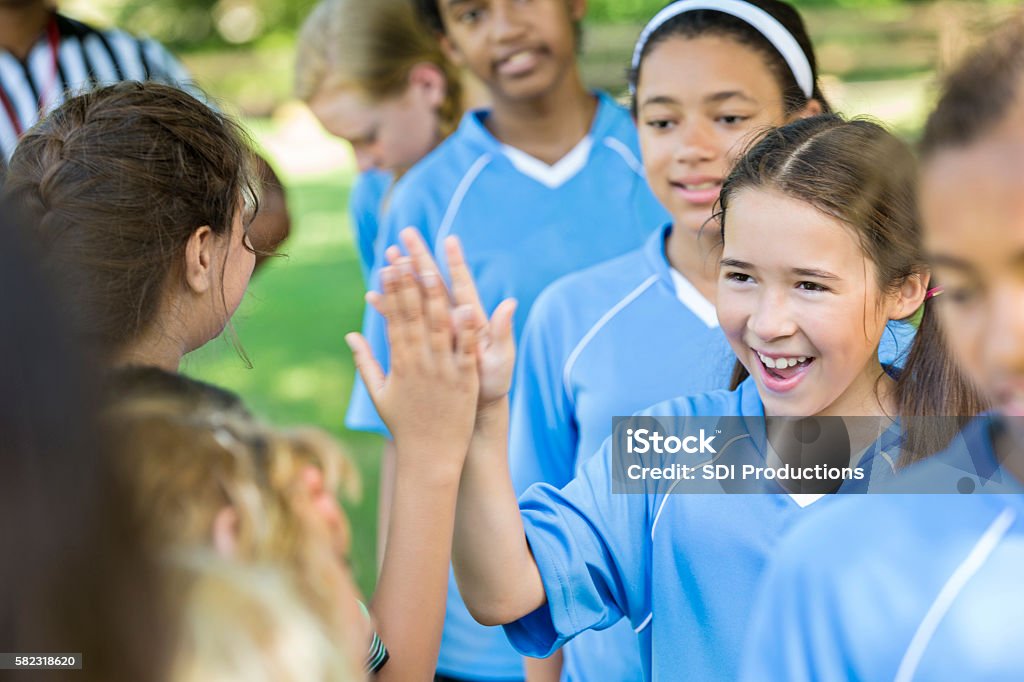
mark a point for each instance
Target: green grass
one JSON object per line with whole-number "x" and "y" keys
{"x": 292, "y": 326}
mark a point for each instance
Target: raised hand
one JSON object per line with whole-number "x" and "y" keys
{"x": 429, "y": 396}
{"x": 496, "y": 346}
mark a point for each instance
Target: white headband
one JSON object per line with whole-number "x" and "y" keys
{"x": 766, "y": 25}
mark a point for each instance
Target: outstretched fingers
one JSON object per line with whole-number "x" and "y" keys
{"x": 500, "y": 328}
{"x": 366, "y": 364}
{"x": 412, "y": 315}
{"x": 463, "y": 287}
{"x": 467, "y": 336}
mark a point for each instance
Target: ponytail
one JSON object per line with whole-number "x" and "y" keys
{"x": 932, "y": 385}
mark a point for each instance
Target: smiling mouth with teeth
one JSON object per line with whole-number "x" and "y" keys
{"x": 783, "y": 368}
{"x": 702, "y": 186}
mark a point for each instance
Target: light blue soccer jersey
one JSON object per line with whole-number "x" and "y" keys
{"x": 899, "y": 587}
{"x": 365, "y": 205}
{"x": 607, "y": 341}
{"x": 682, "y": 568}
{"x": 523, "y": 224}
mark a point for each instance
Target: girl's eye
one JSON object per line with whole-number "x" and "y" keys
{"x": 660, "y": 124}
{"x": 733, "y": 120}
{"x": 738, "y": 277}
{"x": 811, "y": 286}
{"x": 960, "y": 296}
{"x": 469, "y": 16}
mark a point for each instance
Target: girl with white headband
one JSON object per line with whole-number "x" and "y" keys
{"x": 707, "y": 78}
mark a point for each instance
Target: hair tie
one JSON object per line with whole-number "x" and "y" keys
{"x": 767, "y": 25}
{"x": 933, "y": 292}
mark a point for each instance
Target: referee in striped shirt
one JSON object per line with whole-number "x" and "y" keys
{"x": 46, "y": 57}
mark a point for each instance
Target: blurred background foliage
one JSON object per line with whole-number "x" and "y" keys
{"x": 225, "y": 41}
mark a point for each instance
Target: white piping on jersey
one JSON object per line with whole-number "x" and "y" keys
{"x": 661, "y": 508}
{"x": 668, "y": 493}
{"x": 627, "y": 155}
{"x": 888, "y": 458}
{"x": 612, "y": 312}
{"x": 557, "y": 174}
{"x": 456, "y": 203}
{"x": 950, "y": 591}
{"x": 694, "y": 300}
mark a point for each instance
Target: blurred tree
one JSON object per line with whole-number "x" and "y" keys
{"x": 205, "y": 23}
{"x": 191, "y": 24}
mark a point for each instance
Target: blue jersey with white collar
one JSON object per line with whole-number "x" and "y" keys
{"x": 901, "y": 587}
{"x": 522, "y": 224}
{"x": 609, "y": 341}
{"x": 606, "y": 341}
{"x": 681, "y": 567}
{"x": 365, "y": 205}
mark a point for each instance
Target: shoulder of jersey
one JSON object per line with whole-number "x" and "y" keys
{"x": 577, "y": 300}
{"x": 722, "y": 402}
{"x": 441, "y": 170}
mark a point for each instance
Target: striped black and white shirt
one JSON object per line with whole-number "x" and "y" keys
{"x": 86, "y": 58}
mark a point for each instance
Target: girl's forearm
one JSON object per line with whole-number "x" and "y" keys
{"x": 409, "y": 602}
{"x": 498, "y": 577}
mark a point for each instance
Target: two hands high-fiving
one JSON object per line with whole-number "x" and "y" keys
{"x": 448, "y": 361}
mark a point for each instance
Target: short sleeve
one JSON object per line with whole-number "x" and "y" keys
{"x": 591, "y": 548}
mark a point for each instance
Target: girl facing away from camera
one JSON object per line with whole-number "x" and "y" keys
{"x": 140, "y": 195}
{"x": 206, "y": 476}
{"x": 209, "y": 477}
{"x": 375, "y": 77}
{"x": 942, "y": 598}
{"x": 820, "y": 252}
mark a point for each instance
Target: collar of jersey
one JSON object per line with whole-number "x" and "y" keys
{"x": 475, "y": 132}
{"x": 654, "y": 251}
{"x": 978, "y": 437}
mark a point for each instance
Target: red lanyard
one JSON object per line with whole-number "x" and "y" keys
{"x": 53, "y": 38}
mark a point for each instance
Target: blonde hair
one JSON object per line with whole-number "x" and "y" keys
{"x": 186, "y": 462}
{"x": 371, "y": 45}
{"x": 248, "y": 623}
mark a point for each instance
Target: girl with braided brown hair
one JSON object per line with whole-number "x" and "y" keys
{"x": 142, "y": 196}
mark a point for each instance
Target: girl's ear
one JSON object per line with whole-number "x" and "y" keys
{"x": 225, "y": 532}
{"x": 429, "y": 81}
{"x": 199, "y": 259}
{"x": 910, "y": 296}
{"x": 812, "y": 108}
